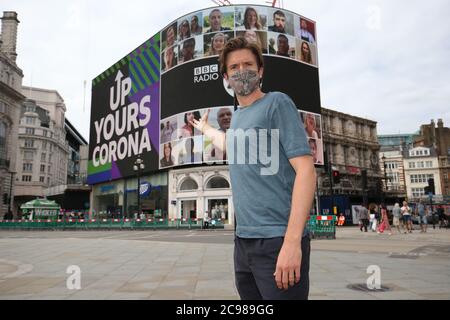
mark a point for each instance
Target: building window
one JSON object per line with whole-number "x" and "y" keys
{"x": 44, "y": 145}
{"x": 43, "y": 157}
{"x": 49, "y": 168}
{"x": 420, "y": 164}
{"x": 42, "y": 167}
{"x": 217, "y": 183}
{"x": 28, "y": 155}
{"x": 189, "y": 184}
{"x": 48, "y": 180}
{"x": 29, "y": 131}
{"x": 417, "y": 192}
{"x": 429, "y": 164}
{"x": 26, "y": 178}
{"x": 29, "y": 120}
{"x": 29, "y": 143}
{"x": 412, "y": 165}
{"x": 27, "y": 167}
{"x": 41, "y": 179}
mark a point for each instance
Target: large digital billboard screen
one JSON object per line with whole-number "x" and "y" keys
{"x": 142, "y": 104}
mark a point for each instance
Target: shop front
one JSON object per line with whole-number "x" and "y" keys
{"x": 153, "y": 196}
{"x": 107, "y": 200}
{"x": 199, "y": 192}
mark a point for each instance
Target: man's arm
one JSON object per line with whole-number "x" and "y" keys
{"x": 217, "y": 137}
{"x": 287, "y": 271}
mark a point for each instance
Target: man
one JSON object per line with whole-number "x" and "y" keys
{"x": 279, "y": 22}
{"x": 272, "y": 245}
{"x": 283, "y": 46}
{"x": 422, "y": 215}
{"x": 224, "y": 120}
{"x": 363, "y": 215}
{"x": 304, "y": 33}
{"x": 215, "y": 21}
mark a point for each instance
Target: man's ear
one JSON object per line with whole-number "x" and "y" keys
{"x": 225, "y": 76}
{"x": 261, "y": 72}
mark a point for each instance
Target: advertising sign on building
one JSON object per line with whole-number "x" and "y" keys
{"x": 142, "y": 104}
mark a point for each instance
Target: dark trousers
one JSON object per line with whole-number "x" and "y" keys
{"x": 254, "y": 265}
{"x": 364, "y": 223}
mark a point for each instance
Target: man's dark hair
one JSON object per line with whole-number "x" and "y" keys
{"x": 279, "y": 13}
{"x": 282, "y": 36}
{"x": 239, "y": 43}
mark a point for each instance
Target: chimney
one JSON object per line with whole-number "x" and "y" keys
{"x": 440, "y": 124}
{"x": 9, "y": 34}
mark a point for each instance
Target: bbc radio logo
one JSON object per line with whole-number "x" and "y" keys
{"x": 206, "y": 73}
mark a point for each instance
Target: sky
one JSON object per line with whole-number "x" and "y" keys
{"x": 387, "y": 61}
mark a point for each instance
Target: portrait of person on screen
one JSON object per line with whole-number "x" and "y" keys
{"x": 187, "y": 130}
{"x": 217, "y": 44}
{"x": 184, "y": 31}
{"x": 196, "y": 28}
{"x": 305, "y": 54}
{"x": 169, "y": 58}
{"x": 305, "y": 33}
{"x": 251, "y": 20}
{"x": 169, "y": 131}
{"x": 169, "y": 36}
{"x": 187, "y": 154}
{"x": 279, "y": 22}
{"x": 256, "y": 37}
{"x": 187, "y": 51}
{"x": 167, "y": 158}
{"x": 215, "y": 21}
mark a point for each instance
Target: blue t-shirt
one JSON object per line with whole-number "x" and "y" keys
{"x": 262, "y": 184}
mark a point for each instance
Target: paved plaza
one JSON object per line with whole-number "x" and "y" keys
{"x": 199, "y": 265}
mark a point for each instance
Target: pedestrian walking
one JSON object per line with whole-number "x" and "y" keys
{"x": 397, "y": 214}
{"x": 384, "y": 224}
{"x": 421, "y": 212}
{"x": 406, "y": 214}
{"x": 363, "y": 218}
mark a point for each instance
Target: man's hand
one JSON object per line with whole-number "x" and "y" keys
{"x": 287, "y": 271}
{"x": 200, "y": 124}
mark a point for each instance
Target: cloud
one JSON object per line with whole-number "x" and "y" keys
{"x": 379, "y": 59}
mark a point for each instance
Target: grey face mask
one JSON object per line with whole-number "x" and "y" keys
{"x": 244, "y": 82}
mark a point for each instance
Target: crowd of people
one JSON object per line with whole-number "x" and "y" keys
{"x": 377, "y": 217}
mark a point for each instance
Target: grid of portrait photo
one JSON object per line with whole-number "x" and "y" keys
{"x": 205, "y": 33}
{"x": 182, "y": 144}
{"x": 313, "y": 127}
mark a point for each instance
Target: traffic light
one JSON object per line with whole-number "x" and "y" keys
{"x": 430, "y": 186}
{"x": 336, "y": 176}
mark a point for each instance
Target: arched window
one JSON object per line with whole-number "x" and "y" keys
{"x": 217, "y": 183}
{"x": 189, "y": 184}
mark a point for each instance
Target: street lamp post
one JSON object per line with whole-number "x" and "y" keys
{"x": 138, "y": 167}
